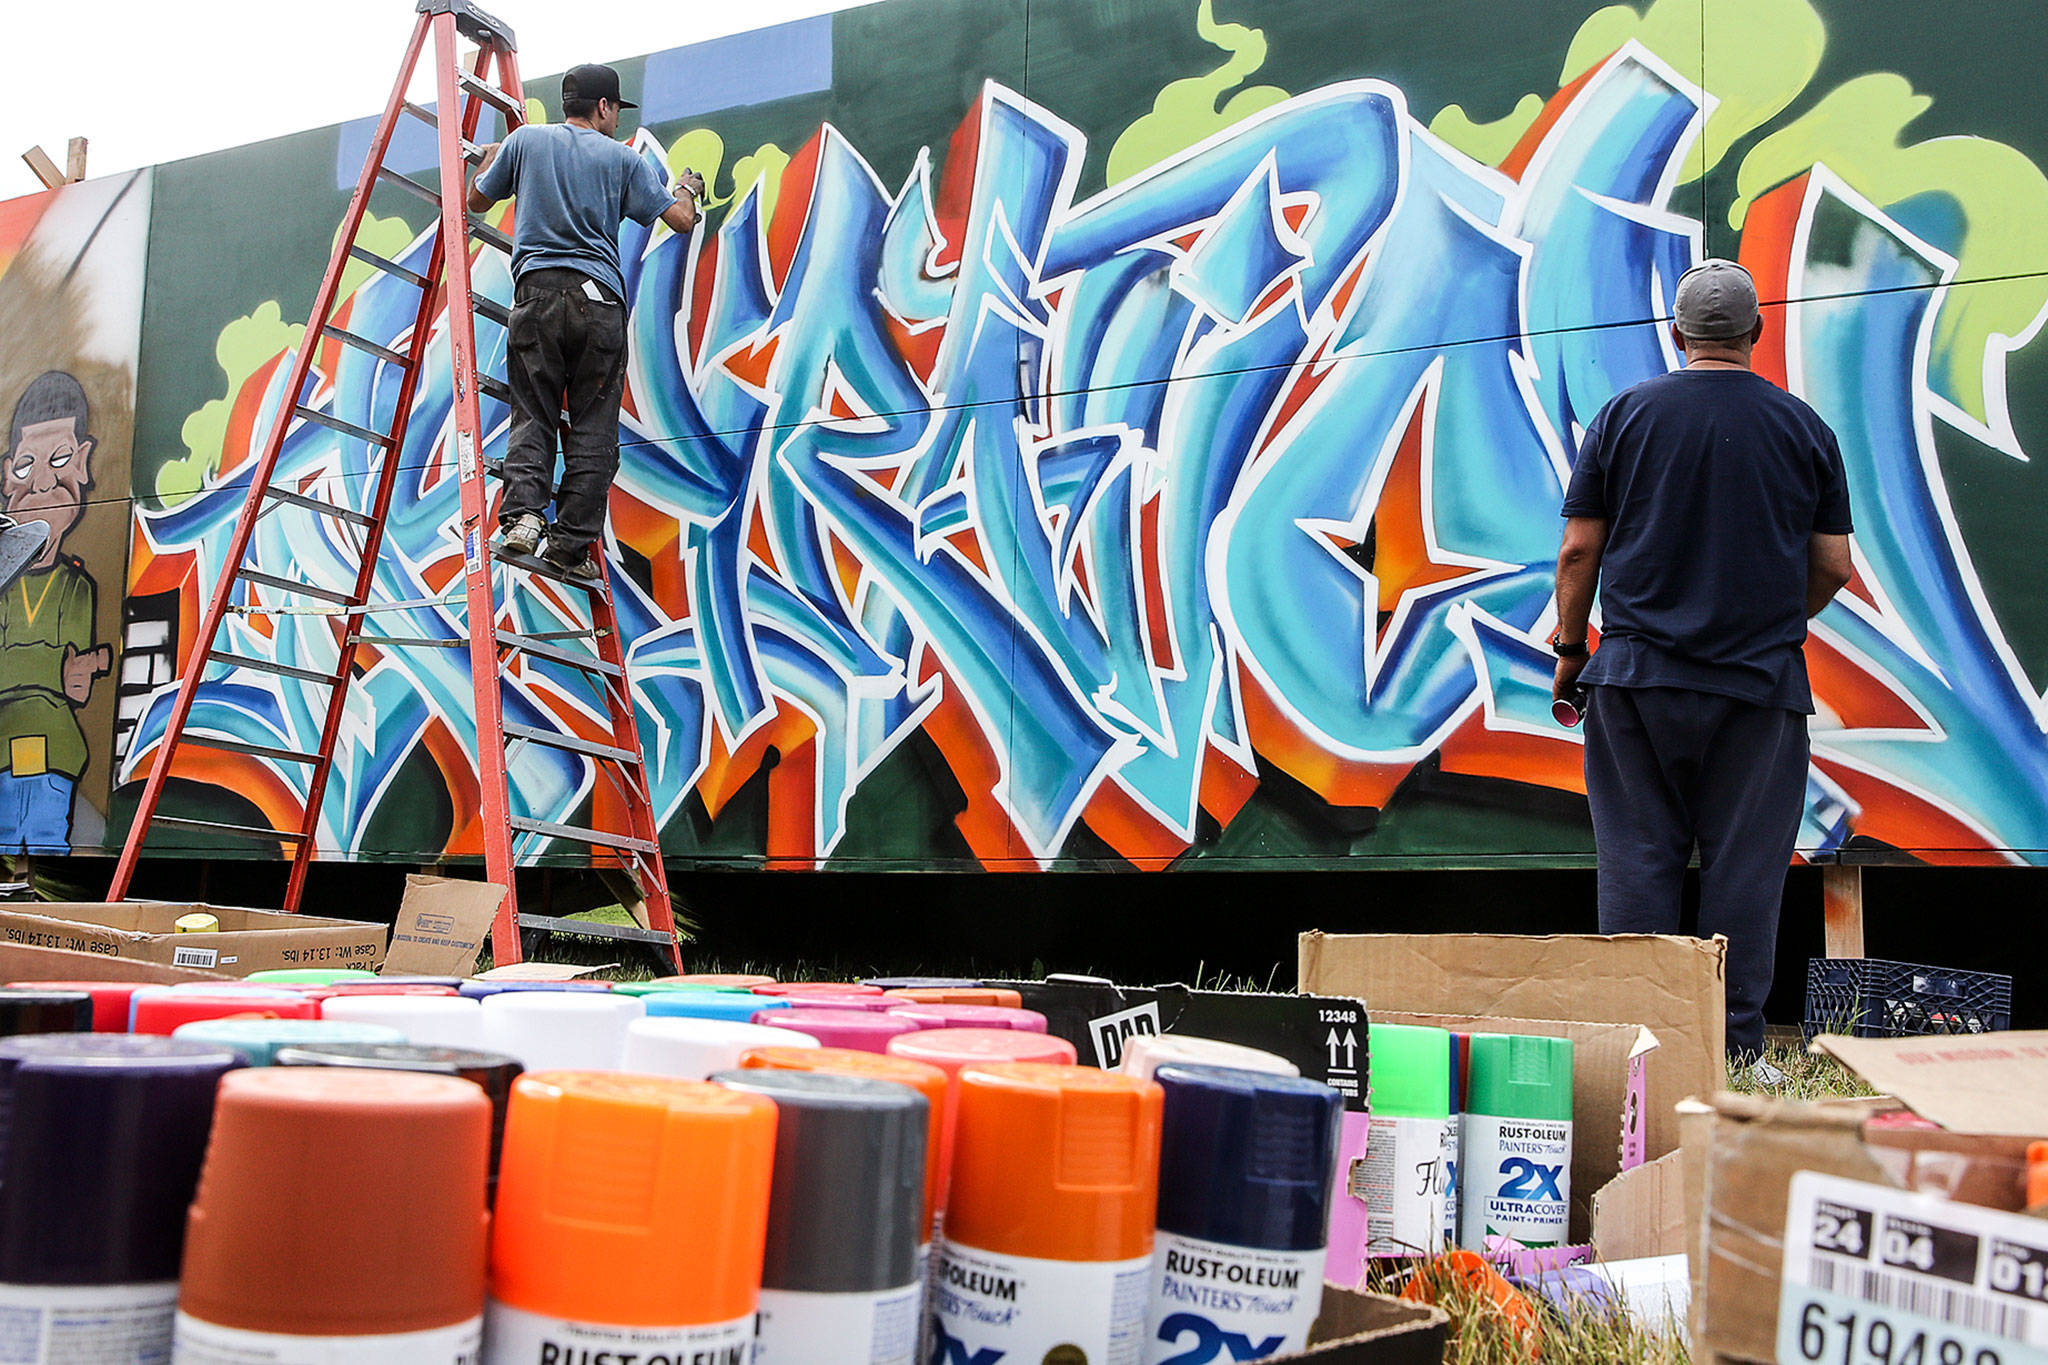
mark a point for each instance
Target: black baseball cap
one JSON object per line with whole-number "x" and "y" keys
{"x": 592, "y": 81}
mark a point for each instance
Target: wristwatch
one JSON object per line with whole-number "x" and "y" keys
{"x": 1567, "y": 649}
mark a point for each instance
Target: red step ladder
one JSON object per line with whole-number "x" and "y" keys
{"x": 490, "y": 80}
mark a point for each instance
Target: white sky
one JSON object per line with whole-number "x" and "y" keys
{"x": 155, "y": 80}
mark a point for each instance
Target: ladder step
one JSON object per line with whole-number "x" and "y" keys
{"x": 222, "y": 827}
{"x": 489, "y": 235}
{"x": 409, "y": 642}
{"x": 293, "y": 585}
{"x": 592, "y": 929}
{"x": 473, "y": 23}
{"x": 471, "y": 153}
{"x": 490, "y": 94}
{"x": 336, "y": 424}
{"x": 423, "y": 114}
{"x": 555, "y": 739}
{"x": 221, "y": 656}
{"x": 534, "y": 564}
{"x": 388, "y": 266}
{"x": 348, "y": 514}
{"x": 577, "y": 834}
{"x": 490, "y": 308}
{"x": 236, "y": 746}
{"x": 496, "y": 388}
{"x": 362, "y": 343}
{"x": 391, "y": 177}
{"x": 529, "y": 645}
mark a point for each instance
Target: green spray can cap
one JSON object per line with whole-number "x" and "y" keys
{"x": 1411, "y": 1072}
{"x": 1516, "y": 1075}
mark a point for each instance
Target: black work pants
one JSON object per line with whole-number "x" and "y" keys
{"x": 1667, "y": 769}
{"x": 566, "y": 354}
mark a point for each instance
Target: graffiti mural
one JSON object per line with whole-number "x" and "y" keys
{"x": 1027, "y": 502}
{"x": 71, "y": 273}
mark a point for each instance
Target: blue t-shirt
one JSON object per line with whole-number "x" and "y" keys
{"x": 1713, "y": 483}
{"x": 574, "y": 186}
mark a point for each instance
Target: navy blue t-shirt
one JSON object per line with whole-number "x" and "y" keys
{"x": 1713, "y": 482}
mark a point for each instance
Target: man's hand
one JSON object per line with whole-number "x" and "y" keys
{"x": 477, "y": 201}
{"x": 1564, "y": 684}
{"x": 682, "y": 215}
{"x": 81, "y": 669}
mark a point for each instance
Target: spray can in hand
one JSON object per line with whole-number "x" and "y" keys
{"x": 1518, "y": 1140}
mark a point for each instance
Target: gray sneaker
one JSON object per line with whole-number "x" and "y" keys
{"x": 522, "y": 535}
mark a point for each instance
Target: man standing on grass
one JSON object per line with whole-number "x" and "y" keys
{"x": 567, "y": 350}
{"x": 1711, "y": 509}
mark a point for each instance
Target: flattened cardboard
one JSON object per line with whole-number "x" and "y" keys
{"x": 1641, "y": 1212}
{"x": 1608, "y": 1086}
{"x": 1988, "y": 1083}
{"x": 1356, "y": 1328}
{"x": 19, "y": 962}
{"x": 1673, "y": 986}
{"x": 442, "y": 923}
{"x": 145, "y": 931}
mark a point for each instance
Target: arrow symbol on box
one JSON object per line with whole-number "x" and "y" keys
{"x": 1348, "y": 1041}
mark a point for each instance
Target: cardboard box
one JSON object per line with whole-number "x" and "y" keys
{"x": 1673, "y": 986}
{"x": 248, "y": 941}
{"x": 18, "y": 962}
{"x": 442, "y": 924}
{"x": 1357, "y": 1328}
{"x": 1609, "y": 1079}
{"x": 1741, "y": 1153}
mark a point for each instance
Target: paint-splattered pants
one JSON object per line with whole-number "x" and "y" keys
{"x": 1668, "y": 769}
{"x": 566, "y": 354}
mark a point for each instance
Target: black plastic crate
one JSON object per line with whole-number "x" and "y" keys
{"x": 1871, "y": 998}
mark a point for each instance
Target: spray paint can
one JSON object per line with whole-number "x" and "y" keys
{"x": 652, "y": 1251}
{"x": 103, "y": 1142}
{"x": 861, "y": 1030}
{"x": 840, "y": 1283}
{"x": 1047, "y": 1252}
{"x": 1245, "y": 1162}
{"x": 557, "y": 1030}
{"x": 1145, "y": 1053}
{"x": 1454, "y": 1135}
{"x": 308, "y": 1243}
{"x": 36, "y": 1010}
{"x": 109, "y": 1000}
{"x": 1518, "y": 1140}
{"x": 691, "y": 1049}
{"x": 164, "y": 1009}
{"x": 425, "y": 1020}
{"x": 735, "y": 1007}
{"x": 1401, "y": 1177}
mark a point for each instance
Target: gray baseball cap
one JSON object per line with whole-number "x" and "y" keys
{"x": 1716, "y": 301}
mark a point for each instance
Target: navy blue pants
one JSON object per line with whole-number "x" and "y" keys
{"x": 1668, "y": 769}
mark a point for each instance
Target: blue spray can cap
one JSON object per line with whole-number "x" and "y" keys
{"x": 1246, "y": 1158}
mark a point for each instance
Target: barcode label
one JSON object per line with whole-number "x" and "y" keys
{"x": 1878, "y": 1276}
{"x": 1941, "y": 1302}
{"x": 195, "y": 957}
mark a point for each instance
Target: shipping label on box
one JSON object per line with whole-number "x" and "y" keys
{"x": 1884, "y": 1275}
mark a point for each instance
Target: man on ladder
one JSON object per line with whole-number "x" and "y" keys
{"x": 567, "y": 349}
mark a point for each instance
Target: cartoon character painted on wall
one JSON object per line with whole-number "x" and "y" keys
{"x": 48, "y": 657}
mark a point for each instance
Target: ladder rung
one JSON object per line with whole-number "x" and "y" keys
{"x": 534, "y": 564}
{"x": 221, "y": 656}
{"x": 555, "y": 739}
{"x": 490, "y": 308}
{"x": 362, "y": 343}
{"x": 597, "y": 838}
{"x": 336, "y": 424}
{"x": 471, "y": 153}
{"x": 237, "y": 746}
{"x": 410, "y": 642}
{"x": 496, "y": 388}
{"x": 490, "y": 94}
{"x": 527, "y": 644}
{"x": 222, "y": 827}
{"x": 389, "y": 176}
{"x": 330, "y": 509}
{"x": 388, "y": 266}
{"x": 592, "y": 929}
{"x": 293, "y": 585}
{"x": 422, "y": 113}
{"x": 489, "y": 235}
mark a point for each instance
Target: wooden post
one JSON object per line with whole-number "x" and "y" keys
{"x": 1842, "y": 909}
{"x": 46, "y": 170}
{"x": 74, "y": 160}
